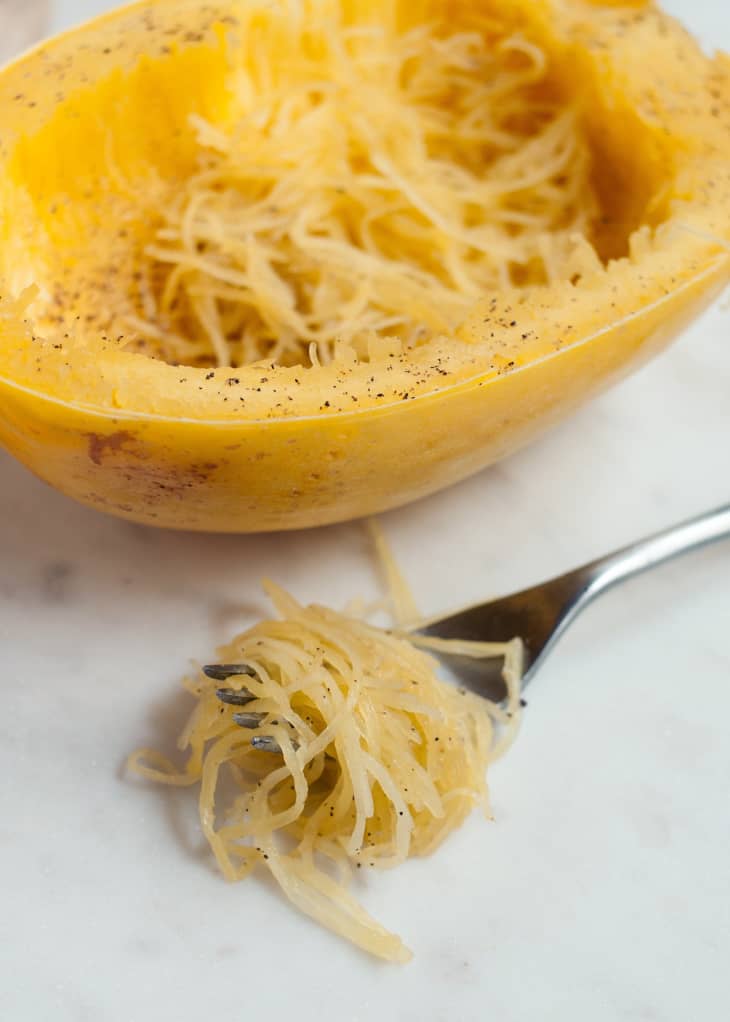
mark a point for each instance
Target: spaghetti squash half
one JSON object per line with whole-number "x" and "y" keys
{"x": 275, "y": 263}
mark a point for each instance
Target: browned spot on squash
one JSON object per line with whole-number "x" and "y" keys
{"x": 154, "y": 483}
{"x": 98, "y": 445}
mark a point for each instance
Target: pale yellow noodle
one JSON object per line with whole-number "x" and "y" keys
{"x": 373, "y": 191}
{"x": 380, "y": 759}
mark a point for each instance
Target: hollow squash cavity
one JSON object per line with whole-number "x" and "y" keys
{"x": 319, "y": 182}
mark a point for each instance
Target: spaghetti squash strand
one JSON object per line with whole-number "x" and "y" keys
{"x": 380, "y": 759}
{"x": 377, "y": 181}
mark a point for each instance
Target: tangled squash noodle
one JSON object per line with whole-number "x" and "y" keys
{"x": 380, "y": 759}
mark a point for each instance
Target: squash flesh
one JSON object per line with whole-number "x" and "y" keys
{"x": 377, "y": 181}
{"x": 116, "y": 429}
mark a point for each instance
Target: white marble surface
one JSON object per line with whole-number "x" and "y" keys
{"x": 602, "y": 890}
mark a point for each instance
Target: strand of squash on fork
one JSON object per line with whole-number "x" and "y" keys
{"x": 366, "y": 757}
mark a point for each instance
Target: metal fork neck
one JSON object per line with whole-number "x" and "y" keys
{"x": 576, "y": 589}
{"x": 636, "y": 558}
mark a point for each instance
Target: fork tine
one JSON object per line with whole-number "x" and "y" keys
{"x": 221, "y": 672}
{"x": 265, "y": 743}
{"x": 249, "y": 720}
{"x": 235, "y": 697}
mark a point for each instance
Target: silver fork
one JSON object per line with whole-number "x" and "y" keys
{"x": 538, "y": 615}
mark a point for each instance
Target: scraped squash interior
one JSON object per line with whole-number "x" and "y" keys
{"x": 379, "y": 180}
{"x": 344, "y": 182}
{"x": 279, "y": 208}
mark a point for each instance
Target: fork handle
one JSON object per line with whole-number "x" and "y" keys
{"x": 606, "y": 572}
